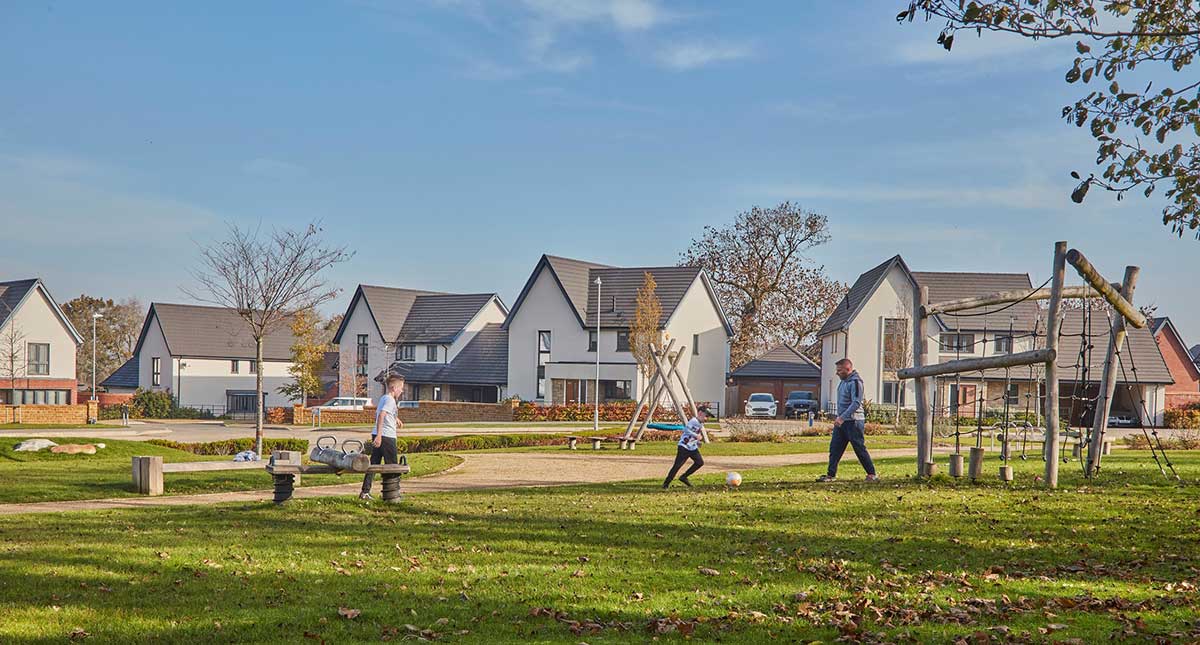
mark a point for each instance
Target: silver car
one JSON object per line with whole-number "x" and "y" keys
{"x": 761, "y": 404}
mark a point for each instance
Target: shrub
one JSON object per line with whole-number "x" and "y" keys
{"x": 148, "y": 404}
{"x": 1182, "y": 418}
{"x": 1185, "y": 440}
{"x": 279, "y": 415}
{"x": 233, "y": 446}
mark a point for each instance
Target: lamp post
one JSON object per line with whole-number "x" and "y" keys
{"x": 95, "y": 317}
{"x": 596, "y": 419}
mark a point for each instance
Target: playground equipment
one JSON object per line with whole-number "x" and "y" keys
{"x": 342, "y": 459}
{"x": 1119, "y": 297}
{"x": 665, "y": 379}
{"x": 285, "y": 467}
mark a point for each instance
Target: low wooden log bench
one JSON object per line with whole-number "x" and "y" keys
{"x": 573, "y": 441}
{"x": 626, "y": 444}
{"x": 287, "y": 474}
{"x": 148, "y": 471}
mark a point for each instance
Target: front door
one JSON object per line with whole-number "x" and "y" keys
{"x": 572, "y": 395}
{"x": 962, "y": 397}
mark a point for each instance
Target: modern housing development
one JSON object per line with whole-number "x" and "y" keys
{"x": 448, "y": 346}
{"x": 37, "y": 346}
{"x": 554, "y": 343}
{"x": 871, "y": 326}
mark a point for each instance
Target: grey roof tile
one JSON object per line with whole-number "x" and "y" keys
{"x": 125, "y": 376}
{"x": 576, "y": 279}
{"x": 619, "y": 287}
{"x": 11, "y": 295}
{"x": 214, "y": 332}
{"x": 945, "y": 286}
{"x": 390, "y": 306}
{"x": 440, "y": 318}
{"x": 780, "y": 362}
{"x": 857, "y": 295}
{"x": 483, "y": 361}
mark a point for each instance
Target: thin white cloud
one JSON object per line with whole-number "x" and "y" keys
{"x": 684, "y": 56}
{"x": 273, "y": 169}
{"x": 1019, "y": 195}
{"x": 624, "y": 15}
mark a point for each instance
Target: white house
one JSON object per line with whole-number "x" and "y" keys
{"x": 872, "y": 327}
{"x": 448, "y": 346}
{"x": 205, "y": 357}
{"x": 37, "y": 346}
{"x": 553, "y": 345}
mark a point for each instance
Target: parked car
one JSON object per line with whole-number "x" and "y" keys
{"x": 345, "y": 403}
{"x": 799, "y": 403}
{"x": 1120, "y": 420}
{"x": 761, "y": 405}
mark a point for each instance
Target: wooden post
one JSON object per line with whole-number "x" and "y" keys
{"x": 1058, "y": 274}
{"x": 975, "y": 467}
{"x": 671, "y": 391}
{"x": 956, "y": 465}
{"x": 148, "y": 475}
{"x": 1108, "y": 384}
{"x": 1004, "y": 297}
{"x": 654, "y": 393}
{"x": 976, "y": 364}
{"x": 924, "y": 413}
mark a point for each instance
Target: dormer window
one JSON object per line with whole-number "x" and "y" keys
{"x": 407, "y": 352}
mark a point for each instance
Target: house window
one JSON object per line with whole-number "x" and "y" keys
{"x": 406, "y": 353}
{"x": 234, "y": 368}
{"x": 616, "y": 390}
{"x": 253, "y": 367}
{"x": 695, "y": 344}
{"x": 37, "y": 359}
{"x": 835, "y": 344}
{"x": 1013, "y": 395}
{"x": 622, "y": 340}
{"x": 431, "y": 353}
{"x": 155, "y": 371}
{"x": 363, "y": 353}
{"x": 893, "y": 393}
{"x": 964, "y": 343}
{"x": 895, "y": 343}
{"x": 1002, "y": 345}
{"x": 543, "y": 357}
{"x": 591, "y": 341}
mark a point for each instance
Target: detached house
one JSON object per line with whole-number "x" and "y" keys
{"x": 205, "y": 357}
{"x": 553, "y": 344}
{"x": 1186, "y": 388}
{"x": 37, "y": 346}
{"x": 448, "y": 346}
{"x": 872, "y": 327}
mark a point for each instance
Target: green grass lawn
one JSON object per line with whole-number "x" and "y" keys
{"x": 43, "y": 476}
{"x": 780, "y": 560}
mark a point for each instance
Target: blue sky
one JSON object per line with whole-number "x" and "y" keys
{"x": 450, "y": 143}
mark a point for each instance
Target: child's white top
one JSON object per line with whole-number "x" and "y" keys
{"x": 386, "y": 411}
{"x": 692, "y": 435}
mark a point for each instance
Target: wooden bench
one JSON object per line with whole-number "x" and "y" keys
{"x": 626, "y": 444}
{"x": 148, "y": 471}
{"x": 287, "y": 474}
{"x": 573, "y": 441}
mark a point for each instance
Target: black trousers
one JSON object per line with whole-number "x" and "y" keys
{"x": 384, "y": 454}
{"x": 681, "y": 455}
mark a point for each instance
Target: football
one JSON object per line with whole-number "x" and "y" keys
{"x": 733, "y": 480}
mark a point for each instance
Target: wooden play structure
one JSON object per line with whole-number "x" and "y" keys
{"x": 286, "y": 466}
{"x": 665, "y": 379}
{"x": 1090, "y": 446}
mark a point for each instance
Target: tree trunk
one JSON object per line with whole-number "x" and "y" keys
{"x": 258, "y": 396}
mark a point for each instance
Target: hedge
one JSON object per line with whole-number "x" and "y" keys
{"x": 233, "y": 446}
{"x": 618, "y": 411}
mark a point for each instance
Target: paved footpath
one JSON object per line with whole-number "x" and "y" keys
{"x": 480, "y": 471}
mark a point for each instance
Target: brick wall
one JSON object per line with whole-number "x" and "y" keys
{"x": 425, "y": 412}
{"x": 55, "y": 414}
{"x": 1180, "y": 363}
{"x": 1182, "y": 399}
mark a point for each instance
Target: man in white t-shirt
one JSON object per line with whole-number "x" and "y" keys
{"x": 383, "y": 438}
{"x": 689, "y": 448}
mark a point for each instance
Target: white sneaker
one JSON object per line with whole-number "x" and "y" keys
{"x": 365, "y": 496}
{"x": 872, "y": 478}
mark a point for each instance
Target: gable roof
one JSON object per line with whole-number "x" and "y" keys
{"x": 618, "y": 290}
{"x": 13, "y": 294}
{"x": 483, "y": 361}
{"x": 125, "y": 376}
{"x": 441, "y": 318}
{"x": 388, "y": 306}
{"x": 1163, "y": 325}
{"x": 859, "y": 293}
{"x": 212, "y": 332}
{"x": 782, "y": 361}
{"x": 952, "y": 285}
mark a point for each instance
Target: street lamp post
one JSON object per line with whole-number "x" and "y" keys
{"x": 95, "y": 317}
{"x": 596, "y": 419}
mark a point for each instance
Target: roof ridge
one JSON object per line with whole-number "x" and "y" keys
{"x": 1017, "y": 273}
{"x": 594, "y": 265}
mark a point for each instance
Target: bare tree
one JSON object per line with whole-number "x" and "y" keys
{"x": 767, "y": 285}
{"x": 266, "y": 279}
{"x": 12, "y": 357}
{"x": 644, "y": 330}
{"x": 897, "y": 348}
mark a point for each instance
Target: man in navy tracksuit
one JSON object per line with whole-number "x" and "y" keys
{"x": 850, "y": 423}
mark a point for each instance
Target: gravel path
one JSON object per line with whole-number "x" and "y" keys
{"x": 479, "y": 471}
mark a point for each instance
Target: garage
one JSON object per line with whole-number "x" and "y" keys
{"x": 781, "y": 370}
